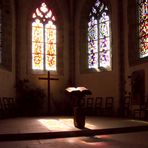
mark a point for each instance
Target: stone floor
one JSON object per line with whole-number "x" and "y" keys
{"x": 65, "y": 124}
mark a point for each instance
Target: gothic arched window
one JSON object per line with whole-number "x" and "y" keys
{"x": 0, "y": 34}
{"x": 99, "y": 38}
{"x": 143, "y": 27}
{"x": 43, "y": 39}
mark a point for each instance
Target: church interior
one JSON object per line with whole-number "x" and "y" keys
{"x": 69, "y": 62}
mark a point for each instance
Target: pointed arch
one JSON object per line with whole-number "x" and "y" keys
{"x": 99, "y": 37}
{"x": 0, "y": 33}
{"x": 143, "y": 27}
{"x": 138, "y": 35}
{"x": 44, "y": 39}
{"x": 96, "y": 33}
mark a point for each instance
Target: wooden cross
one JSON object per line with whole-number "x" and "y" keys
{"x": 48, "y": 87}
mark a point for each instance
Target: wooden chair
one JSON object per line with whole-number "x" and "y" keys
{"x": 1, "y": 108}
{"x": 98, "y": 106}
{"x": 146, "y": 111}
{"x": 82, "y": 102}
{"x": 108, "y": 110}
{"x": 142, "y": 111}
{"x": 9, "y": 106}
{"x": 12, "y": 106}
{"x": 127, "y": 102}
{"x": 5, "y": 105}
{"x": 139, "y": 112}
{"x": 89, "y": 105}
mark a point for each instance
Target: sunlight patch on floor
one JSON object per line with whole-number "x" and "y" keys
{"x": 62, "y": 124}
{"x": 139, "y": 121}
{"x": 55, "y": 125}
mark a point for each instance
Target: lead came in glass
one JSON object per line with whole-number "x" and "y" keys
{"x": 99, "y": 38}
{"x": 43, "y": 39}
{"x": 143, "y": 28}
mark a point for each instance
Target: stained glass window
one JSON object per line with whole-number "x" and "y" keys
{"x": 43, "y": 39}
{"x": 143, "y": 28}
{"x": 0, "y": 35}
{"x": 99, "y": 37}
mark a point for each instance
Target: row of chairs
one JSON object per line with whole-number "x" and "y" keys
{"x": 139, "y": 111}
{"x": 98, "y": 105}
{"x": 7, "y": 107}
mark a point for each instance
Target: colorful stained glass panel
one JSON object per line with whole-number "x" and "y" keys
{"x": 37, "y": 45}
{"x": 143, "y": 28}
{"x": 104, "y": 29}
{"x": 104, "y": 53}
{"x": 0, "y": 35}
{"x": 99, "y": 36}
{"x": 92, "y": 44}
{"x": 43, "y": 39}
{"x": 50, "y": 42}
{"x": 93, "y": 60}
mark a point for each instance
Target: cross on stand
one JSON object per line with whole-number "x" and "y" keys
{"x": 48, "y": 87}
